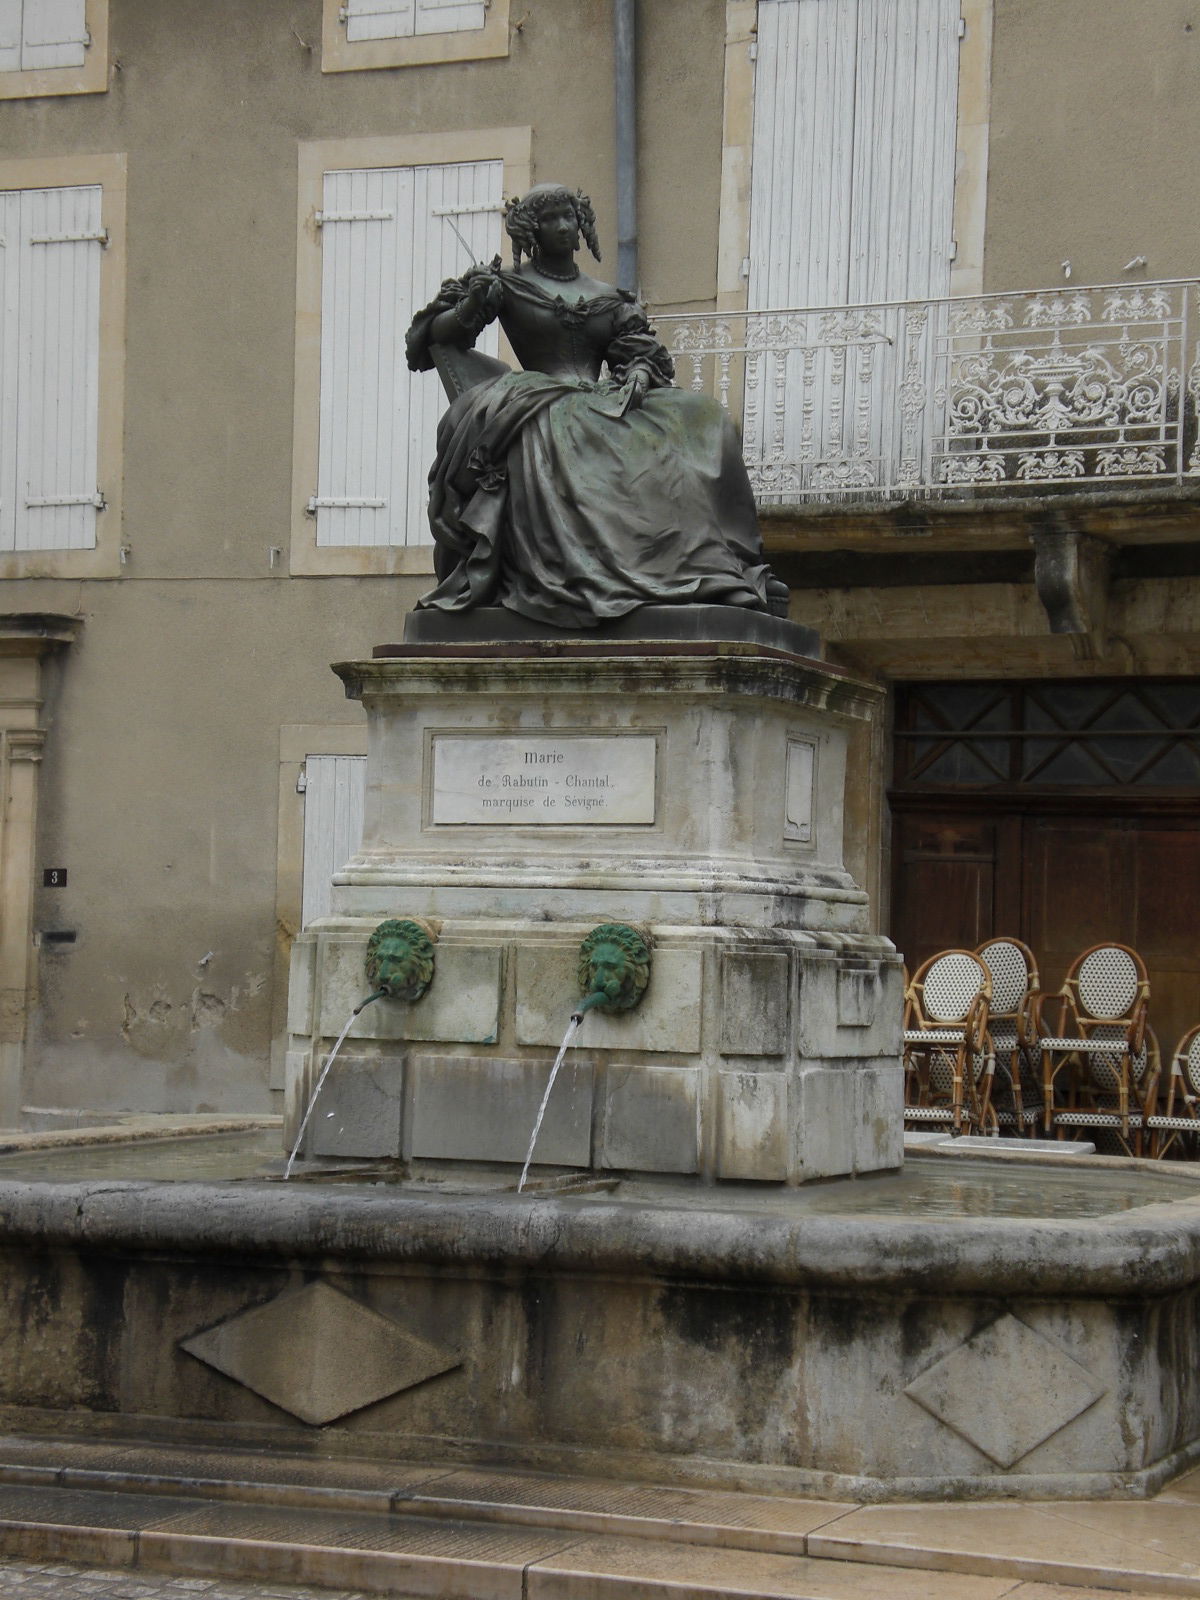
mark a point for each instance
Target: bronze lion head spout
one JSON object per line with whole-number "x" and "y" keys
{"x": 400, "y": 959}
{"x": 614, "y": 968}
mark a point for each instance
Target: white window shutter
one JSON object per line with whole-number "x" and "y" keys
{"x": 10, "y": 35}
{"x": 378, "y": 19}
{"x": 803, "y": 117}
{"x": 852, "y": 194}
{"x": 906, "y": 102}
{"x": 10, "y": 352}
{"x": 386, "y": 246}
{"x": 54, "y": 34}
{"x": 58, "y": 260}
{"x": 855, "y": 118}
{"x": 467, "y": 196}
{"x": 334, "y": 795}
{"x": 450, "y": 16}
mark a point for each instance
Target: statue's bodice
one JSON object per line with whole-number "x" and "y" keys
{"x": 565, "y": 335}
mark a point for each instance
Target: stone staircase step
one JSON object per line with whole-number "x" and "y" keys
{"x": 478, "y": 1534}
{"x": 696, "y": 1516}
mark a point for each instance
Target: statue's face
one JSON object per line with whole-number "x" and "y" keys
{"x": 610, "y": 966}
{"x": 558, "y": 227}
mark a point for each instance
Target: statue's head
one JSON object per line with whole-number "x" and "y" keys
{"x": 614, "y": 960}
{"x": 523, "y": 214}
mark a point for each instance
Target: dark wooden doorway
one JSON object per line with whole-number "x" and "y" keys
{"x": 1061, "y": 864}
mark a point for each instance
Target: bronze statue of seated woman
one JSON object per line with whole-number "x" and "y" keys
{"x": 568, "y": 497}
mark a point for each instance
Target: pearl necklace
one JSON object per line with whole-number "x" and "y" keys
{"x": 559, "y": 277}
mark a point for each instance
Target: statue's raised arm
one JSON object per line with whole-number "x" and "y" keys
{"x": 566, "y": 493}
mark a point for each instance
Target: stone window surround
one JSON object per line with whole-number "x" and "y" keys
{"x": 90, "y": 78}
{"x": 970, "y": 183}
{"x": 26, "y": 638}
{"x": 297, "y": 741}
{"x": 513, "y": 146}
{"x": 428, "y": 49}
{"x": 109, "y": 172}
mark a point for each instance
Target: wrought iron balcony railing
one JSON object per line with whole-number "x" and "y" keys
{"x": 1005, "y": 393}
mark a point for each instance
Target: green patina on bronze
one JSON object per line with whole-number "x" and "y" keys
{"x": 614, "y": 967}
{"x": 400, "y": 959}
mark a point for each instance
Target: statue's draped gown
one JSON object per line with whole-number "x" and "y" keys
{"x": 553, "y": 496}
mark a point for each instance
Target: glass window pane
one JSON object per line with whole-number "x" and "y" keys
{"x": 1072, "y": 764}
{"x": 961, "y": 704}
{"x": 1179, "y": 764}
{"x": 1064, "y": 705}
{"x": 958, "y": 764}
{"x": 1126, "y": 712}
{"x": 1125, "y": 757}
{"x": 1179, "y": 703}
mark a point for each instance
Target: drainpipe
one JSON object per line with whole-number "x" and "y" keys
{"x": 624, "y": 20}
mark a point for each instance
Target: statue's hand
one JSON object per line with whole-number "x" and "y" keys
{"x": 482, "y": 299}
{"x": 483, "y": 288}
{"x": 639, "y": 385}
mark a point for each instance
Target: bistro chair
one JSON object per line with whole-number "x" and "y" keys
{"x": 1179, "y": 1121}
{"x": 948, "y": 1056}
{"x": 1015, "y": 988}
{"x": 1099, "y": 1059}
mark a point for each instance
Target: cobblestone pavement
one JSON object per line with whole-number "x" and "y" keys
{"x": 29, "y": 1579}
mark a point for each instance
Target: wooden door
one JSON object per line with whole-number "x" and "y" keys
{"x": 1061, "y": 883}
{"x": 1166, "y": 924}
{"x": 952, "y": 876}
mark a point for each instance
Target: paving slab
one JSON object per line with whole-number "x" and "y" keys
{"x": 696, "y": 1516}
{"x": 58, "y": 1581}
{"x": 399, "y": 1555}
{"x": 1185, "y": 1488}
{"x": 644, "y": 1569}
{"x": 234, "y": 1474}
{"x": 1113, "y": 1544}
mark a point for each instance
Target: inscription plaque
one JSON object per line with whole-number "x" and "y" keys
{"x": 544, "y": 778}
{"x": 798, "y": 791}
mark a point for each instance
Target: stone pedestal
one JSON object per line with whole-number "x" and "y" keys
{"x": 520, "y": 794}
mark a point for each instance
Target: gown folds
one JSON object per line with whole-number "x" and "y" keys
{"x": 553, "y": 495}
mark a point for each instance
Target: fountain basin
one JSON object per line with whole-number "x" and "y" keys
{"x": 962, "y": 1328}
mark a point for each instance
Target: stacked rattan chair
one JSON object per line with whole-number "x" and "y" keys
{"x": 1099, "y": 1057}
{"x": 1017, "y": 1090}
{"x": 948, "y": 1055}
{"x": 1176, "y": 1129}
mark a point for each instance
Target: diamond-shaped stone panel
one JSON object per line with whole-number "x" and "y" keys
{"x": 1006, "y": 1390}
{"x": 318, "y": 1354}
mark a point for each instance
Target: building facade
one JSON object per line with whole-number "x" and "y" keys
{"x": 874, "y": 227}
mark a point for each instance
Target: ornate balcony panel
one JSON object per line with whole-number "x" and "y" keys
{"x": 986, "y": 395}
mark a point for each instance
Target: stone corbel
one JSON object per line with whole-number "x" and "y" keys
{"x": 1071, "y": 571}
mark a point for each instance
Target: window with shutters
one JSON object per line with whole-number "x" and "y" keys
{"x": 855, "y": 118}
{"x": 319, "y": 826}
{"x": 409, "y": 33}
{"x": 60, "y": 401}
{"x": 377, "y": 239}
{"x": 50, "y": 47}
{"x": 334, "y": 795}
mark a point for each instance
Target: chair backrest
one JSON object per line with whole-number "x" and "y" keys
{"x": 948, "y": 985}
{"x": 1108, "y": 983}
{"x": 1014, "y": 974}
{"x": 1187, "y": 1059}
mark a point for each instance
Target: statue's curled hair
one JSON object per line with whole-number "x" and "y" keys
{"x": 521, "y": 217}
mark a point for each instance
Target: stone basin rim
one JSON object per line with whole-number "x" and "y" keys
{"x": 1150, "y": 1249}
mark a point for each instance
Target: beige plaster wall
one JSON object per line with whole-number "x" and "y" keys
{"x": 1095, "y": 113}
{"x": 161, "y": 772}
{"x": 159, "y": 795}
